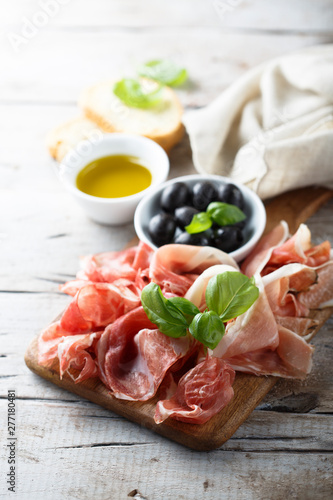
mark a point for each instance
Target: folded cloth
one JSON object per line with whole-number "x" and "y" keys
{"x": 273, "y": 128}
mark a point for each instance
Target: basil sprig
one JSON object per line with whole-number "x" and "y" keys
{"x": 134, "y": 94}
{"x": 169, "y": 316}
{"x": 163, "y": 71}
{"x": 139, "y": 94}
{"x": 208, "y": 328}
{"x": 227, "y": 296}
{"x": 230, "y": 294}
{"x": 222, "y": 214}
{"x": 200, "y": 222}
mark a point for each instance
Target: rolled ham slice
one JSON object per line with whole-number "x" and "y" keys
{"x": 96, "y": 305}
{"x": 73, "y": 353}
{"x": 201, "y": 393}
{"x": 175, "y": 267}
{"x": 260, "y": 255}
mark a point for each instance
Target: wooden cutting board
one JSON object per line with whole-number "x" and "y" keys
{"x": 294, "y": 207}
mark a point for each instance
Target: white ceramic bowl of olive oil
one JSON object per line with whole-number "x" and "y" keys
{"x": 108, "y": 177}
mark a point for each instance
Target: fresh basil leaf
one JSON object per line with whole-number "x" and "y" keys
{"x": 164, "y": 71}
{"x": 137, "y": 95}
{"x": 225, "y": 214}
{"x": 163, "y": 313}
{"x": 230, "y": 294}
{"x": 188, "y": 309}
{"x": 199, "y": 223}
{"x": 208, "y": 328}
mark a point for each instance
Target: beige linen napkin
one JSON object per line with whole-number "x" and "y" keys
{"x": 273, "y": 128}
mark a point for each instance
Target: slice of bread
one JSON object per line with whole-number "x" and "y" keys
{"x": 69, "y": 135}
{"x": 161, "y": 123}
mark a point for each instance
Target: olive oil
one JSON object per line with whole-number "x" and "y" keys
{"x": 114, "y": 176}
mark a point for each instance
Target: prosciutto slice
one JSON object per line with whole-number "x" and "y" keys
{"x": 201, "y": 393}
{"x": 275, "y": 250}
{"x": 71, "y": 350}
{"x": 281, "y": 285}
{"x": 320, "y": 295}
{"x": 299, "y": 249}
{"x": 293, "y": 250}
{"x": 96, "y": 305}
{"x": 134, "y": 356}
{"x": 110, "y": 266}
{"x": 48, "y": 342}
{"x": 73, "y": 353}
{"x": 255, "y": 343}
{"x": 260, "y": 255}
{"x": 255, "y": 329}
{"x": 175, "y": 267}
{"x": 301, "y": 326}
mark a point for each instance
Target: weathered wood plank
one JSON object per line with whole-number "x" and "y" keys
{"x": 88, "y": 456}
{"x": 262, "y": 432}
{"x": 298, "y": 15}
{"x": 213, "y": 58}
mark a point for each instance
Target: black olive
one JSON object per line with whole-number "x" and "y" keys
{"x": 240, "y": 224}
{"x": 227, "y": 238}
{"x": 229, "y": 193}
{"x": 203, "y": 193}
{"x": 175, "y": 195}
{"x": 184, "y": 216}
{"x": 192, "y": 239}
{"x": 162, "y": 228}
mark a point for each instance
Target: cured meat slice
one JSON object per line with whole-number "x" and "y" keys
{"x": 96, "y": 305}
{"x": 281, "y": 285}
{"x": 291, "y": 359}
{"x": 72, "y": 319}
{"x": 142, "y": 257}
{"x": 110, "y": 266}
{"x": 301, "y": 326}
{"x": 253, "y": 330}
{"x": 293, "y": 250}
{"x": 48, "y": 342}
{"x": 134, "y": 356}
{"x": 201, "y": 393}
{"x": 320, "y": 295}
{"x": 71, "y": 350}
{"x": 73, "y": 353}
{"x": 175, "y": 267}
{"x": 275, "y": 250}
{"x": 72, "y": 287}
{"x": 299, "y": 249}
{"x": 255, "y": 343}
{"x": 263, "y": 362}
{"x": 295, "y": 352}
{"x": 258, "y": 258}
{"x": 318, "y": 255}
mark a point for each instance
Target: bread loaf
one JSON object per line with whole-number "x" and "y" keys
{"x": 161, "y": 123}
{"x": 69, "y": 135}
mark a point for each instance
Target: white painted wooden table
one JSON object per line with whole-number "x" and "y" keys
{"x": 68, "y": 448}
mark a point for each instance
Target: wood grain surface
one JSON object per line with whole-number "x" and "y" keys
{"x": 294, "y": 207}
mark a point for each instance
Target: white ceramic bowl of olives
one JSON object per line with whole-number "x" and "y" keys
{"x": 202, "y": 210}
